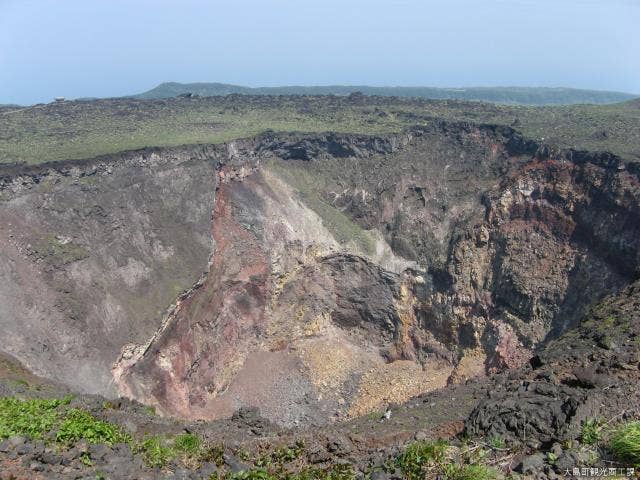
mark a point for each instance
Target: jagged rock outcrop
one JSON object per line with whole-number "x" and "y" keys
{"x": 590, "y": 371}
{"x": 316, "y": 277}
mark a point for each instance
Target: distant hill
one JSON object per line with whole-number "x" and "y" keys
{"x": 507, "y": 95}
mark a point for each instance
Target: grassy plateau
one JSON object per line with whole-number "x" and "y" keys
{"x": 83, "y": 129}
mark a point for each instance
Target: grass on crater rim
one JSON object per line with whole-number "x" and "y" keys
{"x": 83, "y": 129}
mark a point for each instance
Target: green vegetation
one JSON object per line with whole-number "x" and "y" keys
{"x": 187, "y": 443}
{"x": 281, "y": 455}
{"x": 522, "y": 95}
{"x": 85, "y": 458}
{"x": 188, "y": 448}
{"x": 591, "y": 432}
{"x": 433, "y": 459}
{"x": 56, "y": 422}
{"x": 625, "y": 442}
{"x": 155, "y": 451}
{"x": 285, "y": 463}
{"x": 82, "y": 129}
{"x": 80, "y": 424}
{"x": 29, "y": 418}
{"x": 497, "y": 443}
{"x": 420, "y": 456}
{"x": 469, "y": 472}
{"x": 53, "y": 420}
{"x": 337, "y": 472}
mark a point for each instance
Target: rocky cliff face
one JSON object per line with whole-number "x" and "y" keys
{"x": 315, "y": 277}
{"x": 94, "y": 252}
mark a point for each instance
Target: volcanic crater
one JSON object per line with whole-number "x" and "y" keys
{"x": 317, "y": 277}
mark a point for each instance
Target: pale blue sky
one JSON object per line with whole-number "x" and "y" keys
{"x": 78, "y": 48}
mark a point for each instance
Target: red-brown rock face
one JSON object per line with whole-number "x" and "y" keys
{"x": 208, "y": 335}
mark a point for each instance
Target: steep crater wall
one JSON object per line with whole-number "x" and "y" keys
{"x": 316, "y": 277}
{"x": 94, "y": 252}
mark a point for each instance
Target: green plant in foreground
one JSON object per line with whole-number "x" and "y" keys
{"x": 337, "y": 472}
{"x": 497, "y": 443}
{"x": 591, "y": 432}
{"x": 79, "y": 424}
{"x": 155, "y": 451}
{"x": 253, "y": 474}
{"x": 30, "y": 418}
{"x": 54, "y": 420}
{"x": 426, "y": 459}
{"x": 187, "y": 447}
{"x": 420, "y": 455}
{"x": 469, "y": 472}
{"x": 625, "y": 443}
{"x": 36, "y": 418}
{"x": 187, "y": 443}
{"x": 281, "y": 455}
{"x": 85, "y": 458}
